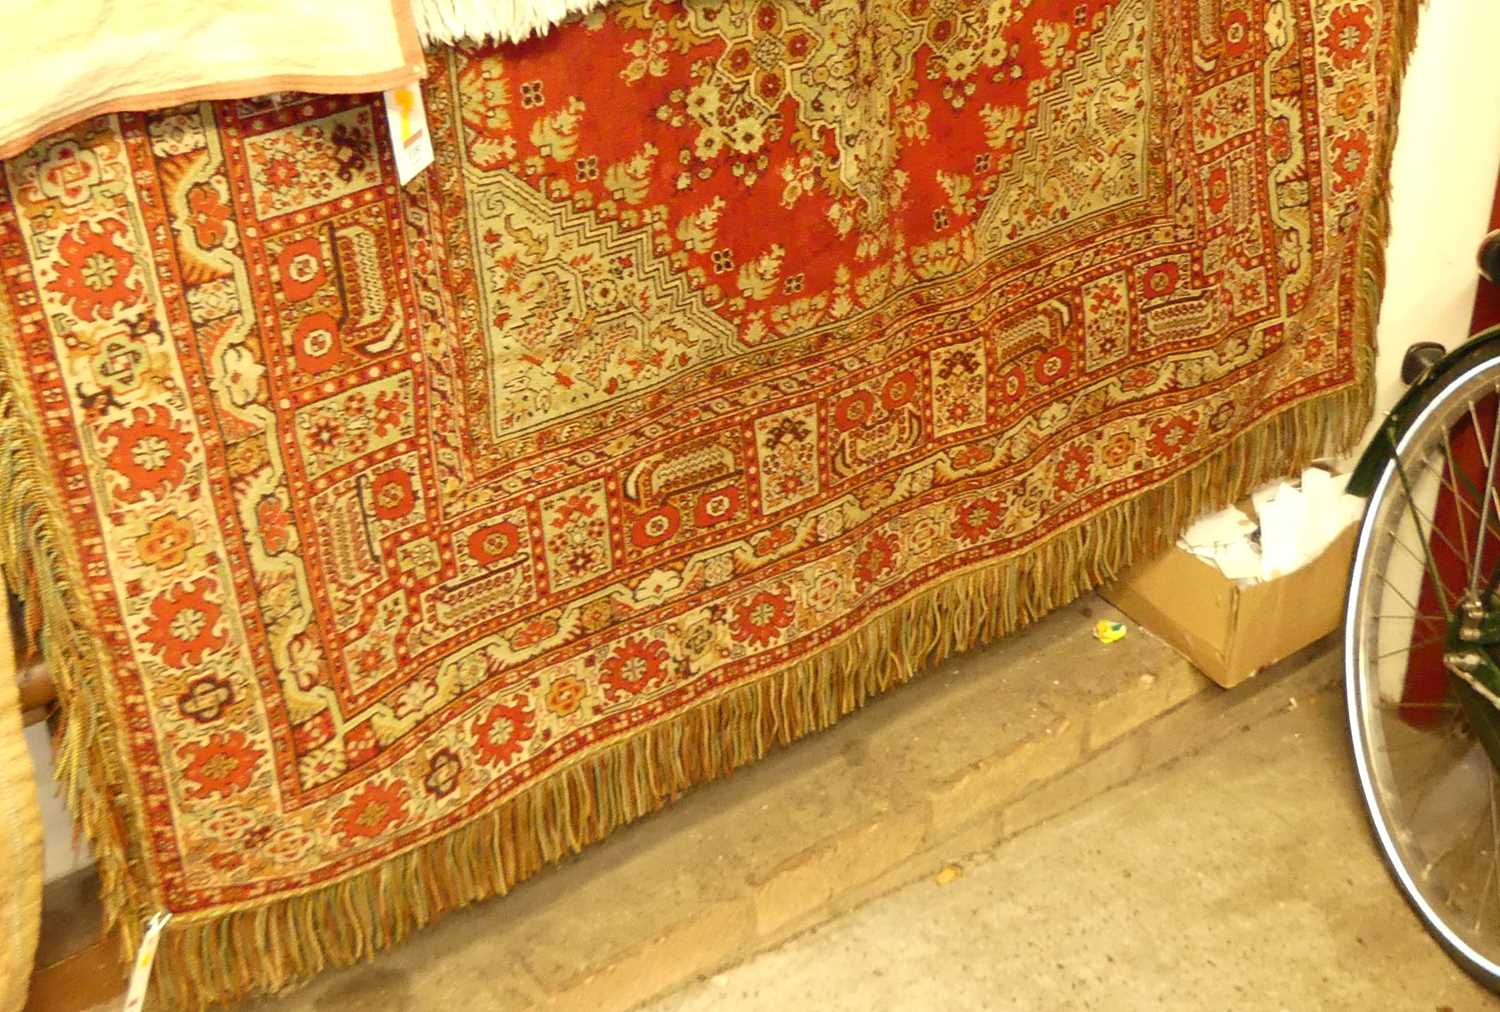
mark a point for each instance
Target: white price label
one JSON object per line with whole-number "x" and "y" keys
{"x": 140, "y": 973}
{"x": 410, "y": 140}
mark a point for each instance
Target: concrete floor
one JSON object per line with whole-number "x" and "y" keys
{"x": 1239, "y": 878}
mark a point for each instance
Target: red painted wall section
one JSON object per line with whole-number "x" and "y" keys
{"x": 1426, "y": 680}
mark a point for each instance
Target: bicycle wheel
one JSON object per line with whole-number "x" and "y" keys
{"x": 1421, "y": 627}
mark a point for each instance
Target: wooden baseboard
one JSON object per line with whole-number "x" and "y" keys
{"x": 91, "y": 976}
{"x": 77, "y": 963}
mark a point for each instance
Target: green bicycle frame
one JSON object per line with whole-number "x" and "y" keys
{"x": 1383, "y": 445}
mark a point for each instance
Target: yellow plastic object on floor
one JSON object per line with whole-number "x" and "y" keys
{"x": 1106, "y": 631}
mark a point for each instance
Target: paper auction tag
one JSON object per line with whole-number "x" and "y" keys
{"x": 410, "y": 140}
{"x": 140, "y": 974}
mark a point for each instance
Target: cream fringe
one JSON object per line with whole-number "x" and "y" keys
{"x": 277, "y": 943}
{"x": 451, "y": 21}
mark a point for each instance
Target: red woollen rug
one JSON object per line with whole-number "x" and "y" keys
{"x": 732, "y": 361}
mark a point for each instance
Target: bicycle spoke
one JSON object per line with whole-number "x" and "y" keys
{"x": 1442, "y": 594}
{"x": 1490, "y": 527}
{"x": 1458, "y": 513}
{"x": 1433, "y": 529}
{"x": 1489, "y": 486}
{"x": 1392, "y": 587}
{"x": 1429, "y": 642}
{"x": 1406, "y": 747}
{"x": 1427, "y": 553}
{"x": 1413, "y": 619}
{"x": 1489, "y": 470}
{"x": 1484, "y": 525}
{"x": 1426, "y": 779}
{"x": 1484, "y": 458}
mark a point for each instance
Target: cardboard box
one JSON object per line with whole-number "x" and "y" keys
{"x": 1230, "y": 632}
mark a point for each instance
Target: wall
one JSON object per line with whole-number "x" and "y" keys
{"x": 1443, "y": 182}
{"x": 62, "y": 856}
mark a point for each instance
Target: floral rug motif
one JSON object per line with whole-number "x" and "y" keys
{"x": 733, "y": 360}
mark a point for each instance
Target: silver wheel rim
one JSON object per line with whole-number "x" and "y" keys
{"x": 1389, "y": 792}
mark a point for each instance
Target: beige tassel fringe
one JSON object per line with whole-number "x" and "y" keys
{"x": 451, "y": 21}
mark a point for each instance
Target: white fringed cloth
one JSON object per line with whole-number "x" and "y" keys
{"x": 64, "y": 61}
{"x": 449, "y": 21}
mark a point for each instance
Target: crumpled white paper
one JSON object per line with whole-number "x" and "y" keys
{"x": 1294, "y": 522}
